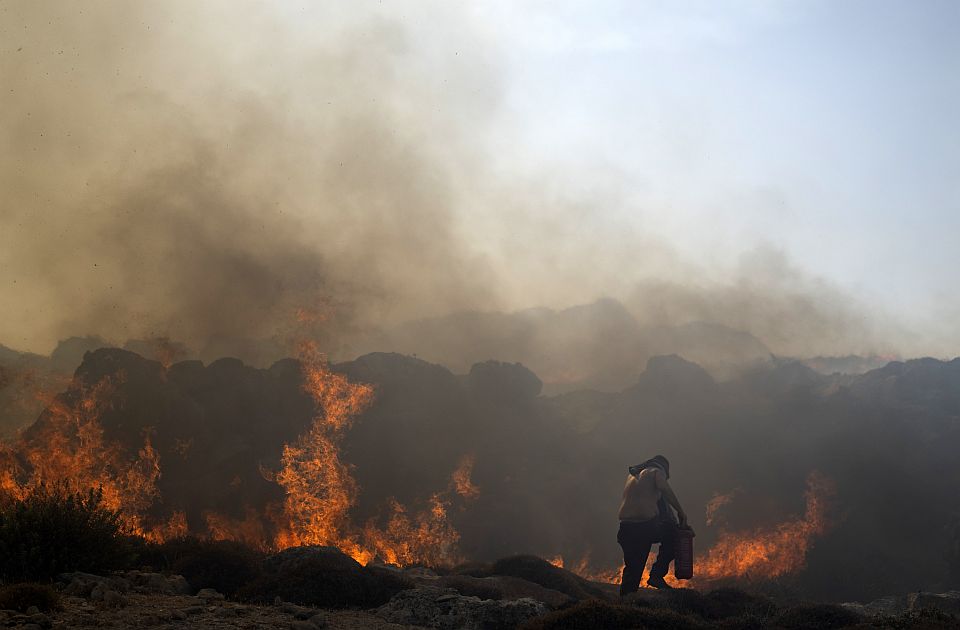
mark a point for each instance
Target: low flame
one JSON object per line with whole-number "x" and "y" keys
{"x": 758, "y": 554}
{"x": 769, "y": 553}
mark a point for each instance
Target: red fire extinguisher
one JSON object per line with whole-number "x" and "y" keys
{"x": 683, "y": 561}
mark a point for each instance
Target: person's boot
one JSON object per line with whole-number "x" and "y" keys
{"x": 657, "y": 581}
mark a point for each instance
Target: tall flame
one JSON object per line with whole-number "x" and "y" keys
{"x": 320, "y": 491}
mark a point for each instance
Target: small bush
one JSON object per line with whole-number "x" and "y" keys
{"x": 20, "y": 597}
{"x": 52, "y": 531}
{"x": 224, "y": 565}
{"x": 733, "y": 602}
{"x": 686, "y": 601}
{"x": 539, "y": 571}
{"x": 325, "y": 577}
{"x": 603, "y": 615}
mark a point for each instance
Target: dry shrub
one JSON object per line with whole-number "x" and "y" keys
{"x": 20, "y": 597}
{"x": 53, "y": 531}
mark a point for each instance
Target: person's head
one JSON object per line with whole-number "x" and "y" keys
{"x": 659, "y": 461}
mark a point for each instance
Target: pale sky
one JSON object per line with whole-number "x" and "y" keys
{"x": 827, "y": 129}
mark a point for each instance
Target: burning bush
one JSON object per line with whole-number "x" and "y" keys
{"x": 52, "y": 530}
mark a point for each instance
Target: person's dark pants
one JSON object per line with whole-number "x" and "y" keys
{"x": 636, "y": 540}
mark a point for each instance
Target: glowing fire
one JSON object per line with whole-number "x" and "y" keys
{"x": 68, "y": 447}
{"x": 584, "y": 569}
{"x": 716, "y": 502}
{"x": 462, "y": 482}
{"x": 321, "y": 491}
{"x": 768, "y": 553}
{"x": 758, "y": 554}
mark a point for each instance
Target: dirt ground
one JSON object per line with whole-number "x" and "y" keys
{"x": 180, "y": 611}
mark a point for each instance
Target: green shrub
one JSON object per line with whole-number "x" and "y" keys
{"x": 20, "y": 597}
{"x": 224, "y": 565}
{"x": 52, "y": 531}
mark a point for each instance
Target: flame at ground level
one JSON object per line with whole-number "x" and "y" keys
{"x": 67, "y": 446}
{"x": 764, "y": 553}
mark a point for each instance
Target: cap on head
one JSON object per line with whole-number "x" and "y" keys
{"x": 663, "y": 462}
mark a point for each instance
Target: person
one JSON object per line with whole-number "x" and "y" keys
{"x": 646, "y": 517}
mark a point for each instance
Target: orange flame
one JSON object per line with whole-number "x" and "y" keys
{"x": 462, "y": 482}
{"x": 69, "y": 448}
{"x": 716, "y": 502}
{"x": 769, "y": 553}
{"x": 762, "y": 553}
{"x": 321, "y": 491}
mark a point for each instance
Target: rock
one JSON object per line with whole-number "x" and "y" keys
{"x": 96, "y": 594}
{"x": 887, "y": 605}
{"x": 146, "y": 582}
{"x": 319, "y": 620}
{"x": 179, "y": 584}
{"x": 420, "y": 573}
{"x": 209, "y": 595}
{"x": 299, "y": 612}
{"x": 178, "y": 615}
{"x": 193, "y": 601}
{"x": 113, "y": 599}
{"x": 302, "y": 625}
{"x": 437, "y": 607}
{"x": 225, "y": 612}
{"x": 948, "y": 602}
{"x": 501, "y": 587}
{"x": 38, "y": 619}
{"x": 194, "y": 610}
{"x": 32, "y": 610}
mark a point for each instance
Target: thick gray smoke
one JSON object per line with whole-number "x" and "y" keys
{"x": 222, "y": 173}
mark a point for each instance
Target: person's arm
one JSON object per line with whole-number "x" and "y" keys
{"x": 664, "y": 487}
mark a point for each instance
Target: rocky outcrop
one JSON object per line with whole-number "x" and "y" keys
{"x": 435, "y": 607}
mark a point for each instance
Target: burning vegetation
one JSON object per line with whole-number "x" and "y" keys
{"x": 392, "y": 459}
{"x": 68, "y": 447}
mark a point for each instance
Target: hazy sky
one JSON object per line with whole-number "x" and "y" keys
{"x": 826, "y": 129}
{"x": 430, "y": 156}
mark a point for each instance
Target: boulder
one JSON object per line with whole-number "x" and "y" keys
{"x": 436, "y": 607}
{"x": 503, "y": 587}
{"x": 948, "y": 602}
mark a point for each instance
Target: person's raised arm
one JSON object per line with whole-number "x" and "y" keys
{"x": 664, "y": 487}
